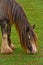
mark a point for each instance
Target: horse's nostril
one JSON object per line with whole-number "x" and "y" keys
{"x": 33, "y": 52}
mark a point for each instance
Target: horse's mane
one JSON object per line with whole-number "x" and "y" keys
{"x": 21, "y": 22}
{"x": 20, "y": 17}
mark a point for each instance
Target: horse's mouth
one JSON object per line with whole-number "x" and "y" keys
{"x": 32, "y": 50}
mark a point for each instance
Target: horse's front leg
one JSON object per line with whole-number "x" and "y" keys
{"x": 5, "y": 46}
{"x": 11, "y": 45}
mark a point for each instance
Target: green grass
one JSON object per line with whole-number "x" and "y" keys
{"x": 34, "y": 12}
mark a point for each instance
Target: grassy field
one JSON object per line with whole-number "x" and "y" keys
{"x": 34, "y": 12}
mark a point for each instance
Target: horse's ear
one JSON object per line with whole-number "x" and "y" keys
{"x": 34, "y": 26}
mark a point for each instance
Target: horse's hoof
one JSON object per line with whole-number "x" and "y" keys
{"x": 7, "y": 50}
{"x": 12, "y": 46}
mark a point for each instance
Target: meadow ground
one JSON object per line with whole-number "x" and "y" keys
{"x": 34, "y": 12}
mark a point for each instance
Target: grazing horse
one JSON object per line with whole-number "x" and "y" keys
{"x": 12, "y": 13}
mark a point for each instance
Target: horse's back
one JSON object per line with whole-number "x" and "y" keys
{"x": 4, "y": 4}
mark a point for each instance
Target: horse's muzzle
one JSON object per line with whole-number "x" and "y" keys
{"x": 34, "y": 49}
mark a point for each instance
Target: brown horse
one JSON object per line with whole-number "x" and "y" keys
{"x": 12, "y": 13}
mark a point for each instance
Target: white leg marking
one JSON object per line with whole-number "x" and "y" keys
{"x": 12, "y": 46}
{"x": 5, "y": 48}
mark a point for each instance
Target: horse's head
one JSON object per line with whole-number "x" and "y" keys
{"x": 30, "y": 40}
